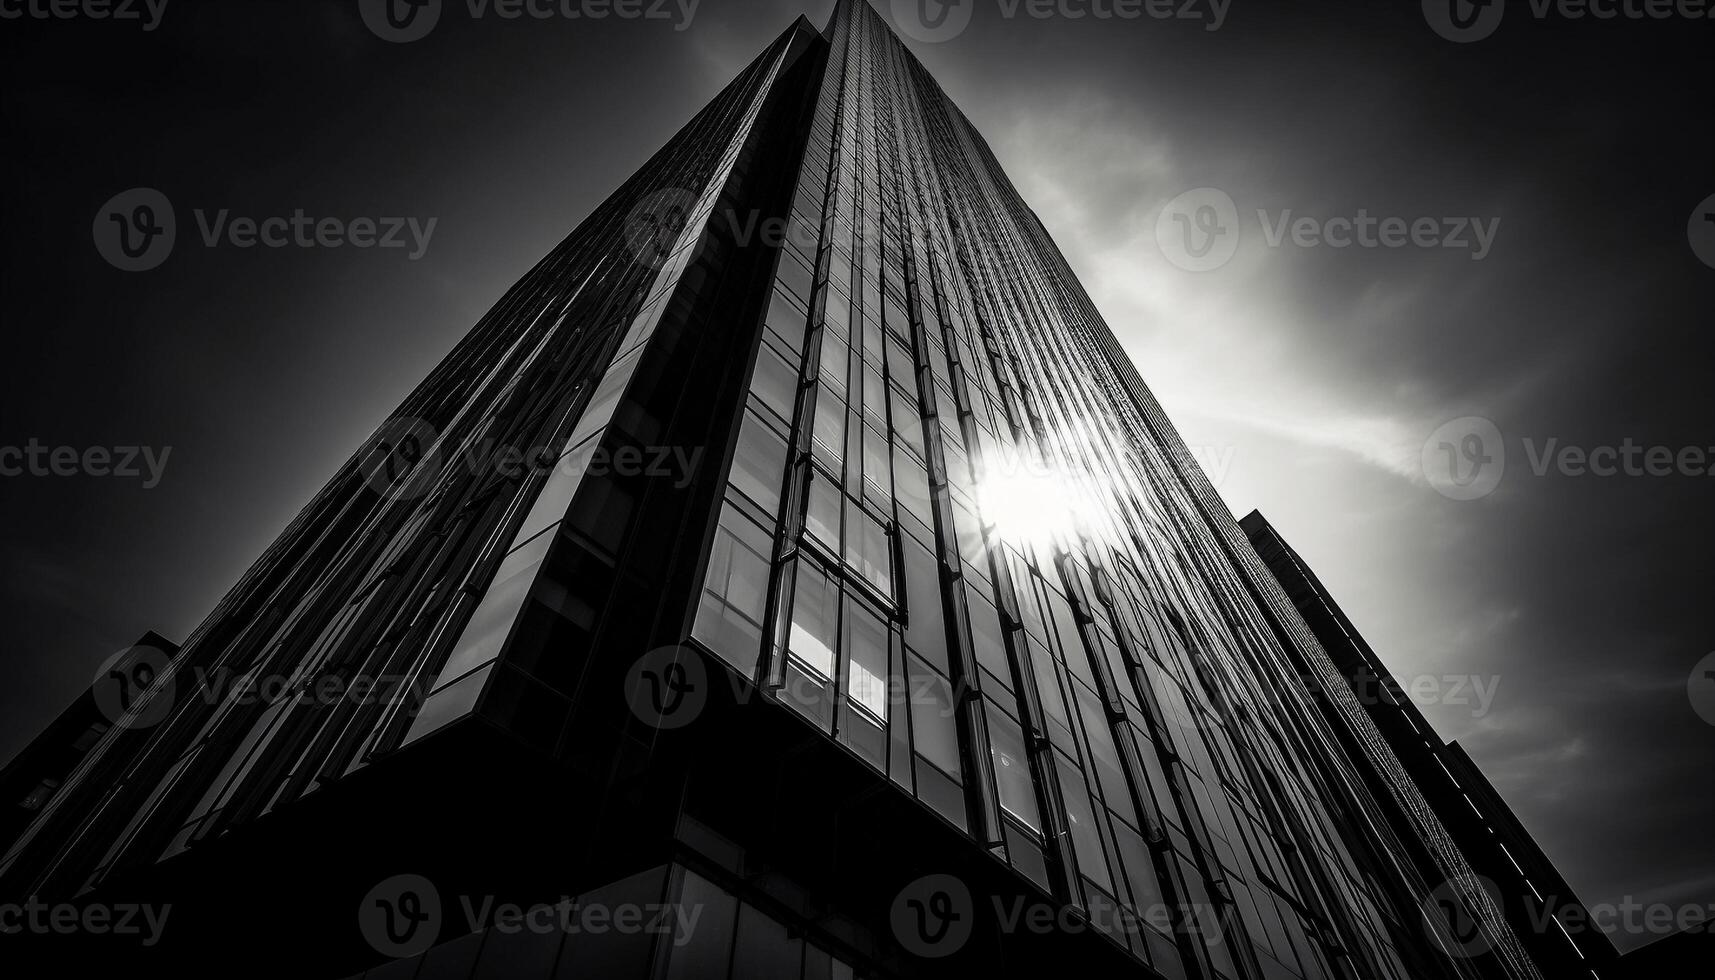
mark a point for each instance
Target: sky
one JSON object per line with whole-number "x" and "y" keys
{"x": 1553, "y": 625}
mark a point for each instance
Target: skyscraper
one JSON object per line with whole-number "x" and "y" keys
{"x": 791, "y": 576}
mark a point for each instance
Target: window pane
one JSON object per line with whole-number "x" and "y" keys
{"x": 830, "y": 431}
{"x": 986, "y": 636}
{"x": 933, "y": 720}
{"x": 1081, "y": 820}
{"x": 822, "y": 519}
{"x": 926, "y": 629}
{"x": 1012, "y": 769}
{"x": 795, "y": 275}
{"x": 877, "y": 478}
{"x": 912, "y": 487}
{"x": 787, "y": 319}
{"x": 833, "y": 364}
{"x": 837, "y": 316}
{"x": 760, "y": 463}
{"x": 776, "y": 382}
{"x": 815, "y": 620}
{"x": 868, "y": 549}
{"x": 734, "y": 600}
{"x": 866, "y": 660}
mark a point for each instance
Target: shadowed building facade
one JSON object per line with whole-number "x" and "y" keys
{"x": 1545, "y": 913}
{"x": 794, "y": 558}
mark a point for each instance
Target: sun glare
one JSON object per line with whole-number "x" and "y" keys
{"x": 1030, "y": 505}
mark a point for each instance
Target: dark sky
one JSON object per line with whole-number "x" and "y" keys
{"x": 1309, "y": 377}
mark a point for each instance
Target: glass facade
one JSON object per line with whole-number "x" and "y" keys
{"x": 938, "y": 520}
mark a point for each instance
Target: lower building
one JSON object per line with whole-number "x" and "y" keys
{"x": 1546, "y": 915}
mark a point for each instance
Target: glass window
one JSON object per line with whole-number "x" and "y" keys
{"x": 866, "y": 660}
{"x": 926, "y": 629}
{"x": 900, "y": 366}
{"x": 911, "y": 487}
{"x": 830, "y": 429}
{"x": 765, "y": 949}
{"x": 837, "y": 316}
{"x": 934, "y": 724}
{"x": 834, "y": 358}
{"x": 877, "y": 480}
{"x": 987, "y": 637}
{"x": 815, "y": 621}
{"x": 787, "y": 318}
{"x": 822, "y": 519}
{"x": 776, "y": 382}
{"x": 760, "y": 464}
{"x": 874, "y": 396}
{"x": 701, "y": 953}
{"x": 735, "y": 592}
{"x": 1012, "y": 769}
{"x": 451, "y": 702}
{"x": 1081, "y": 820}
{"x": 795, "y": 275}
{"x": 869, "y": 550}
{"x": 492, "y": 621}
